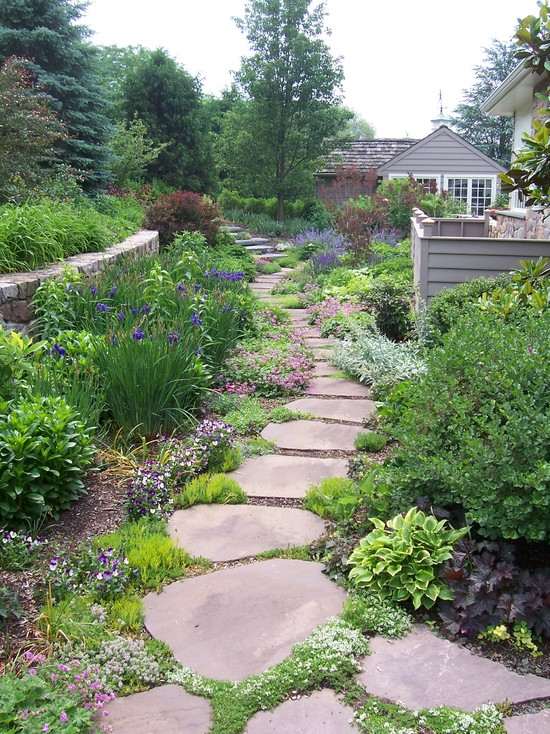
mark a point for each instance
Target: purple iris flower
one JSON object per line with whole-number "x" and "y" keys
{"x": 102, "y": 308}
{"x": 134, "y": 311}
{"x": 93, "y": 290}
{"x": 181, "y": 288}
{"x": 196, "y": 319}
{"x": 113, "y": 292}
{"x": 146, "y": 308}
{"x": 58, "y": 350}
{"x": 173, "y": 338}
{"x": 197, "y": 287}
{"x": 121, "y": 315}
{"x": 138, "y": 335}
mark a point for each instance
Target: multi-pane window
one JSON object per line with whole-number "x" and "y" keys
{"x": 475, "y": 192}
{"x": 482, "y": 195}
{"x": 458, "y": 188}
{"x": 429, "y": 184}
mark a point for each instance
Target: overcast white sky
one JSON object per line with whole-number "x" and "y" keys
{"x": 397, "y": 54}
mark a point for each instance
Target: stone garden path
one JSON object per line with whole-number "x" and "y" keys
{"x": 247, "y": 614}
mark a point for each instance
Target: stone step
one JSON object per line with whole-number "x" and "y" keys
{"x": 353, "y": 411}
{"x": 318, "y": 342}
{"x": 272, "y": 255}
{"x": 259, "y": 249}
{"x": 240, "y": 621}
{"x": 304, "y": 435}
{"x": 167, "y": 709}
{"x": 323, "y": 369}
{"x": 230, "y": 532}
{"x": 529, "y": 723}
{"x": 336, "y": 387}
{"x": 232, "y": 228}
{"x": 425, "y": 671}
{"x": 286, "y": 476}
{"x": 319, "y": 713}
{"x": 253, "y": 241}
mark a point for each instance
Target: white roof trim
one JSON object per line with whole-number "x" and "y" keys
{"x": 515, "y": 90}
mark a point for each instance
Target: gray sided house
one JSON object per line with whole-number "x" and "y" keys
{"x": 442, "y": 161}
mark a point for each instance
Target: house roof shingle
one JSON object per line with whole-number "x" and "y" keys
{"x": 364, "y": 154}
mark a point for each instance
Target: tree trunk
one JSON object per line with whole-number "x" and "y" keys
{"x": 280, "y": 207}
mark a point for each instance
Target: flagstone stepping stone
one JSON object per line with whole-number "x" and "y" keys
{"x": 354, "y": 411}
{"x": 164, "y": 710}
{"x": 320, "y": 713}
{"x": 323, "y": 369}
{"x": 253, "y": 241}
{"x": 285, "y": 476}
{"x": 296, "y": 313}
{"x": 311, "y": 436}
{"x": 311, "y": 332}
{"x": 242, "y": 620}
{"x": 230, "y": 532}
{"x": 319, "y": 342}
{"x": 425, "y": 671}
{"x": 336, "y": 387}
{"x": 529, "y": 723}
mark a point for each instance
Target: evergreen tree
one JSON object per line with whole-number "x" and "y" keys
{"x": 492, "y": 135}
{"x": 168, "y": 100}
{"x": 47, "y": 33}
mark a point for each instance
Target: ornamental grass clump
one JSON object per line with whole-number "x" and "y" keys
{"x": 400, "y": 558}
{"x": 208, "y": 489}
{"x": 335, "y": 498}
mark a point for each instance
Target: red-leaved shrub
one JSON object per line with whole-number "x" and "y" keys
{"x": 183, "y": 211}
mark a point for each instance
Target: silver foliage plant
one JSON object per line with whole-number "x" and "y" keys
{"x": 376, "y": 360}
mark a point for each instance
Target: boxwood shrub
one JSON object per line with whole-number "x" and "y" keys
{"x": 474, "y": 430}
{"x": 44, "y": 450}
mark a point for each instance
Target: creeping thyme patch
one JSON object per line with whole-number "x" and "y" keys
{"x": 376, "y": 716}
{"x": 328, "y": 657}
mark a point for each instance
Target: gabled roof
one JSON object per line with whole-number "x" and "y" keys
{"x": 513, "y": 93}
{"x": 364, "y": 154}
{"x": 443, "y": 130}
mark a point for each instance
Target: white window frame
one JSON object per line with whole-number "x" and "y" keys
{"x": 470, "y": 177}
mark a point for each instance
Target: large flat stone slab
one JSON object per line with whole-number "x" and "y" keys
{"x": 529, "y": 723}
{"x": 164, "y": 710}
{"x": 240, "y": 621}
{"x": 230, "y": 532}
{"x": 336, "y": 387}
{"x": 311, "y": 435}
{"x": 324, "y": 369}
{"x": 353, "y": 411}
{"x": 320, "y": 713}
{"x": 286, "y": 476}
{"x": 319, "y": 342}
{"x": 425, "y": 671}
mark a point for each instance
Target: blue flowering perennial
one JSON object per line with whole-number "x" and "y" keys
{"x": 225, "y": 275}
{"x": 196, "y": 319}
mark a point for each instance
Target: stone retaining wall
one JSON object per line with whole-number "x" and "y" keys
{"x": 17, "y": 289}
{"x": 526, "y": 224}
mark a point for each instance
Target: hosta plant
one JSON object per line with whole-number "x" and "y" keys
{"x": 400, "y": 558}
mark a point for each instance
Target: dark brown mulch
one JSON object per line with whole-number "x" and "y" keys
{"x": 101, "y": 510}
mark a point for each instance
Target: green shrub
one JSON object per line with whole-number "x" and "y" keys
{"x": 268, "y": 226}
{"x": 335, "y": 498}
{"x": 125, "y": 614}
{"x": 18, "y": 357}
{"x": 375, "y": 614}
{"x": 400, "y": 559}
{"x": 70, "y": 620}
{"x": 258, "y": 447}
{"x": 450, "y": 305}
{"x": 390, "y": 302}
{"x": 249, "y": 416}
{"x": 208, "y": 489}
{"x": 44, "y": 451}
{"x": 474, "y": 430}
{"x": 370, "y": 441}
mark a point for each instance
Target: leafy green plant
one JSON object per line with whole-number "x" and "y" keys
{"x": 44, "y": 451}
{"x": 268, "y": 267}
{"x": 230, "y": 459}
{"x": 70, "y": 620}
{"x": 18, "y": 357}
{"x": 19, "y": 550}
{"x": 375, "y": 614}
{"x": 370, "y": 441}
{"x": 390, "y": 302}
{"x": 210, "y": 489}
{"x": 248, "y": 417}
{"x": 335, "y": 498}
{"x": 400, "y": 558}
{"x": 282, "y": 414}
{"x": 258, "y": 446}
{"x": 125, "y": 614}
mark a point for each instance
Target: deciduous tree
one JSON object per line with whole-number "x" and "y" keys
{"x": 291, "y": 84}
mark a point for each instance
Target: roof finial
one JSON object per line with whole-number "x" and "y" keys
{"x": 441, "y": 119}
{"x": 440, "y": 103}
